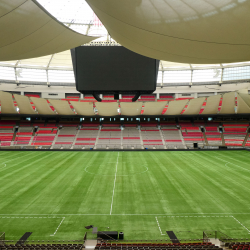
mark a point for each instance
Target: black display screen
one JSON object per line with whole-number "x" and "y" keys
{"x": 103, "y": 69}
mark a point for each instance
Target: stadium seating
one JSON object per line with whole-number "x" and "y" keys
{"x": 192, "y": 134}
{"x": 86, "y": 136}
{"x": 235, "y": 134}
{"x": 6, "y": 132}
{"x": 109, "y": 137}
{"x": 151, "y": 136}
{"x": 45, "y": 135}
{"x": 66, "y": 135}
{"x": 212, "y": 134}
{"x": 24, "y": 134}
{"x": 171, "y": 135}
{"x": 133, "y": 246}
{"x": 239, "y": 245}
{"x": 131, "y": 136}
{"x": 41, "y": 246}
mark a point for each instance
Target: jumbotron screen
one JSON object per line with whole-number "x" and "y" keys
{"x": 109, "y": 69}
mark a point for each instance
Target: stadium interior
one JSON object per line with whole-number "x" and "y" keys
{"x": 139, "y": 142}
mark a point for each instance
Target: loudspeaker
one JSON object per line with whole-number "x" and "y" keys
{"x": 116, "y": 96}
{"x": 195, "y": 145}
{"x": 121, "y": 236}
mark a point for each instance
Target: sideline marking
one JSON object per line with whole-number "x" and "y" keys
{"x": 241, "y": 224}
{"x": 114, "y": 185}
{"x": 159, "y": 226}
{"x": 58, "y": 227}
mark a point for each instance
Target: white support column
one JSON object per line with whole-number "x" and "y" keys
{"x": 16, "y": 70}
{"x": 222, "y": 72}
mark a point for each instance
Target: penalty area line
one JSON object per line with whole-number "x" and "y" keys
{"x": 58, "y": 227}
{"x": 159, "y": 226}
{"x": 241, "y": 224}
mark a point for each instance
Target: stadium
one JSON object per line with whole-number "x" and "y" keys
{"x": 124, "y": 124}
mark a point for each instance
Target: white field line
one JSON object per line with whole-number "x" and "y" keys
{"x": 241, "y": 224}
{"x": 4, "y": 165}
{"x": 58, "y": 227}
{"x": 228, "y": 162}
{"x": 28, "y": 217}
{"x": 159, "y": 226}
{"x": 170, "y": 215}
{"x": 114, "y": 185}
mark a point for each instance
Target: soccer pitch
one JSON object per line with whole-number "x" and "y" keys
{"x": 55, "y": 195}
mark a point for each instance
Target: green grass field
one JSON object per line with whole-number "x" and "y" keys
{"x": 143, "y": 194}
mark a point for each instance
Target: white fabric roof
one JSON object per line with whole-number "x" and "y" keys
{"x": 179, "y": 31}
{"x": 80, "y": 17}
{"x": 154, "y": 108}
{"x": 176, "y": 107}
{"x": 28, "y": 31}
{"x": 42, "y": 106}
{"x": 131, "y": 109}
{"x": 212, "y": 105}
{"x": 228, "y": 103}
{"x": 128, "y": 109}
{"x": 83, "y": 108}
{"x": 107, "y": 108}
{"x": 24, "y": 105}
{"x": 242, "y": 106}
{"x": 194, "y": 106}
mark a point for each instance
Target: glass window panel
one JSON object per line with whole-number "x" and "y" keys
{"x": 7, "y": 73}
{"x": 177, "y": 76}
{"x": 33, "y": 75}
{"x": 61, "y": 76}
{"x": 207, "y": 75}
{"x": 159, "y": 78}
{"x": 236, "y": 73}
